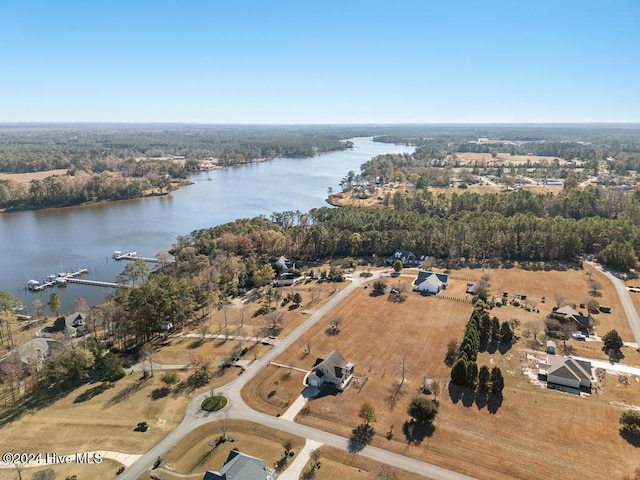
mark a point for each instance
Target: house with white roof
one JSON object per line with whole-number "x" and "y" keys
{"x": 430, "y": 282}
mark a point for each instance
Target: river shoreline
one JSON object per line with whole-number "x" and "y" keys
{"x": 37, "y": 243}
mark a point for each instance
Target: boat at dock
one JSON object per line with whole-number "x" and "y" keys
{"x": 118, "y": 255}
{"x": 55, "y": 279}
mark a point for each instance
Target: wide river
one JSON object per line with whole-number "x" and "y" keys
{"x": 36, "y": 243}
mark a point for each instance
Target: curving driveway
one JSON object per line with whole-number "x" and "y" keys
{"x": 627, "y": 304}
{"x": 238, "y": 409}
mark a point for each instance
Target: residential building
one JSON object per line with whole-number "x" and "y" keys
{"x": 240, "y": 466}
{"x": 332, "y": 370}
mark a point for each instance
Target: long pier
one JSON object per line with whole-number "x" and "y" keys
{"x": 117, "y": 255}
{"x": 97, "y": 283}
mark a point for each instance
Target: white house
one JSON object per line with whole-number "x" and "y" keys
{"x": 332, "y": 370}
{"x": 567, "y": 372}
{"x": 430, "y": 282}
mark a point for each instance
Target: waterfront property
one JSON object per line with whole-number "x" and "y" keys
{"x": 69, "y": 326}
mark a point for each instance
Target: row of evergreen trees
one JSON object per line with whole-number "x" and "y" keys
{"x": 481, "y": 332}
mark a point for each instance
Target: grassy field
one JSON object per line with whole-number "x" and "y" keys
{"x": 27, "y": 177}
{"x": 557, "y": 288}
{"x": 531, "y": 433}
{"x": 102, "y": 471}
{"x": 241, "y": 317}
{"x": 338, "y": 464}
{"x": 504, "y": 159}
{"x": 104, "y": 422}
{"x": 197, "y": 453}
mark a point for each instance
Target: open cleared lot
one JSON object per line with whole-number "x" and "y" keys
{"x": 243, "y": 316}
{"x": 27, "y": 177}
{"x": 104, "y": 422}
{"x": 338, "y": 464}
{"x": 102, "y": 471}
{"x": 531, "y": 433}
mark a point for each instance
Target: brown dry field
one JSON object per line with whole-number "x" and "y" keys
{"x": 534, "y": 431}
{"x": 340, "y": 200}
{"x": 338, "y": 464}
{"x": 241, "y": 313}
{"x": 193, "y": 455}
{"x": 568, "y": 287}
{"x": 105, "y": 422}
{"x": 102, "y": 471}
{"x": 182, "y": 350}
{"x": 505, "y": 158}
{"x": 27, "y": 177}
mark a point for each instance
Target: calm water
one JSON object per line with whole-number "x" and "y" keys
{"x": 34, "y": 244}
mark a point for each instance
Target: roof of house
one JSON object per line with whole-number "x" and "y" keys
{"x": 35, "y": 349}
{"x": 333, "y": 362}
{"x": 399, "y": 254}
{"x": 569, "y": 368}
{"x": 443, "y": 278}
{"x": 405, "y": 256}
{"x": 567, "y": 311}
{"x": 240, "y": 466}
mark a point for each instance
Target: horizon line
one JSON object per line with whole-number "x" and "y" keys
{"x": 345, "y": 124}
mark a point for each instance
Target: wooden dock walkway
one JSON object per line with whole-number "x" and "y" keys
{"x": 97, "y": 283}
{"x": 59, "y": 279}
{"x": 134, "y": 256}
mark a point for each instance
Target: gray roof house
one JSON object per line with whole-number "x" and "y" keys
{"x": 407, "y": 258}
{"x": 569, "y": 313}
{"x": 566, "y": 372}
{"x": 69, "y": 326}
{"x": 33, "y": 352}
{"x": 332, "y": 370}
{"x": 240, "y": 466}
{"x": 283, "y": 264}
{"x": 430, "y": 282}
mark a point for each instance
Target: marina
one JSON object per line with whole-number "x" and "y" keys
{"x": 55, "y": 280}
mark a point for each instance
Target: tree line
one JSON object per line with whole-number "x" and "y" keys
{"x": 41, "y": 148}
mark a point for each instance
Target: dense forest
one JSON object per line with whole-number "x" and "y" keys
{"x": 110, "y": 179}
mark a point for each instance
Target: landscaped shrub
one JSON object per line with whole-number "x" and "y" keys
{"x": 213, "y": 403}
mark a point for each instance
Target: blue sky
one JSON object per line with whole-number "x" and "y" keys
{"x": 270, "y": 61}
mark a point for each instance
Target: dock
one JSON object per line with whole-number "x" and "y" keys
{"x": 97, "y": 283}
{"x": 118, "y": 255}
{"x": 53, "y": 280}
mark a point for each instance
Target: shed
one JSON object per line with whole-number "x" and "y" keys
{"x": 551, "y": 347}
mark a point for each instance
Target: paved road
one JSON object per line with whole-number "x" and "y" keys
{"x": 238, "y": 409}
{"x": 625, "y": 298}
{"x": 611, "y": 366}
